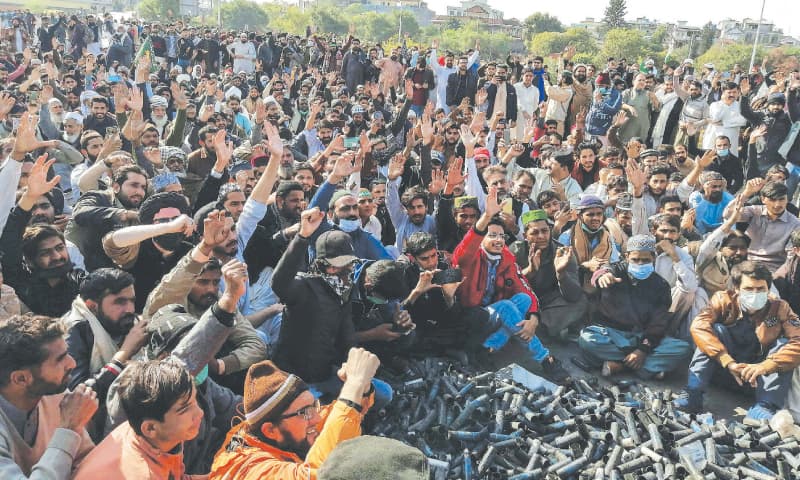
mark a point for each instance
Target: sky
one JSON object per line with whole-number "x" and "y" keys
{"x": 695, "y": 12}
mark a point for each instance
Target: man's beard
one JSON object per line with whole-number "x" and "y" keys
{"x": 117, "y": 329}
{"x": 71, "y": 138}
{"x": 227, "y": 250}
{"x": 41, "y": 388}
{"x": 715, "y": 197}
{"x": 127, "y": 202}
{"x": 41, "y": 219}
{"x": 205, "y": 301}
{"x": 160, "y": 122}
{"x": 300, "y": 448}
{"x": 57, "y": 118}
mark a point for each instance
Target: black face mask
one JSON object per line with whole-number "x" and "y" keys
{"x": 394, "y": 58}
{"x": 169, "y": 241}
{"x": 55, "y": 272}
{"x": 580, "y": 77}
{"x": 381, "y": 156}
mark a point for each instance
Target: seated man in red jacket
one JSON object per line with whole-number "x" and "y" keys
{"x": 493, "y": 280}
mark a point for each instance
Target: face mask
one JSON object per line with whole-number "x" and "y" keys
{"x": 580, "y": 77}
{"x": 349, "y": 225}
{"x": 201, "y": 376}
{"x": 169, "y": 241}
{"x": 723, "y": 152}
{"x": 55, "y": 272}
{"x": 640, "y": 271}
{"x": 752, "y": 301}
{"x": 377, "y": 301}
{"x": 604, "y": 90}
{"x": 380, "y": 156}
{"x": 589, "y": 230}
{"x": 394, "y": 58}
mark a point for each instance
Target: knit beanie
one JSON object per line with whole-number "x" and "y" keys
{"x": 375, "y": 458}
{"x": 268, "y": 391}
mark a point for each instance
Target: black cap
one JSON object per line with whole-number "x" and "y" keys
{"x": 336, "y": 248}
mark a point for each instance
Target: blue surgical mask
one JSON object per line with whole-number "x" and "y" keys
{"x": 349, "y": 225}
{"x": 640, "y": 271}
{"x": 201, "y": 376}
{"x": 723, "y": 152}
{"x": 752, "y": 301}
{"x": 605, "y": 90}
{"x": 589, "y": 230}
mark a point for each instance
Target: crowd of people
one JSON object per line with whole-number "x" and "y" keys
{"x": 219, "y": 247}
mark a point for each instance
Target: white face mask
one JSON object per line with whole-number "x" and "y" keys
{"x": 752, "y": 301}
{"x": 349, "y": 225}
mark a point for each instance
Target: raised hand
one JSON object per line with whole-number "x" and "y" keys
{"x": 707, "y": 158}
{"x": 481, "y": 96}
{"x": 437, "y": 182}
{"x": 25, "y": 141}
{"x": 178, "y": 96}
{"x": 608, "y": 280}
{"x": 182, "y": 224}
{"x": 273, "y": 137}
{"x": 235, "y": 275}
{"x": 455, "y": 174}
{"x": 224, "y": 149}
{"x": 620, "y": 119}
{"x": 38, "y": 184}
{"x": 135, "y": 99}
{"x": 310, "y": 221}
{"x": 216, "y": 229}
{"x": 396, "y": 167}
{"x": 493, "y": 207}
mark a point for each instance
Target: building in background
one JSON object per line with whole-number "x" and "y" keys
{"x": 479, "y": 11}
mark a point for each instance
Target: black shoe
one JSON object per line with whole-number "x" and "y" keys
{"x": 555, "y": 372}
{"x": 581, "y": 363}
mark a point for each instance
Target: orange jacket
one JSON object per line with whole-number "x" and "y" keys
{"x": 776, "y": 319}
{"x": 124, "y": 455}
{"x": 244, "y": 457}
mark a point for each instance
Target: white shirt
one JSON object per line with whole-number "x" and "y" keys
{"x": 723, "y": 120}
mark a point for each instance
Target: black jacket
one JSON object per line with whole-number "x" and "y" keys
{"x": 94, "y": 215}
{"x": 778, "y": 127}
{"x": 317, "y": 327}
{"x": 729, "y": 167}
{"x": 511, "y": 101}
{"x": 267, "y": 244}
{"x": 32, "y": 288}
{"x": 460, "y": 87}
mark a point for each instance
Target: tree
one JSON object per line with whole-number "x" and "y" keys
{"x": 707, "y": 37}
{"x": 157, "y": 9}
{"x": 542, "y": 22}
{"x": 328, "y": 20}
{"x": 614, "y": 16}
{"x": 410, "y": 24}
{"x": 724, "y": 57}
{"x": 238, "y": 14}
{"x": 287, "y": 18}
{"x": 625, "y": 43}
{"x": 553, "y": 42}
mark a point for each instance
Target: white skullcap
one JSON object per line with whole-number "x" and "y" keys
{"x": 74, "y": 116}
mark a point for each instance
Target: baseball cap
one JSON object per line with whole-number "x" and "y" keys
{"x": 336, "y": 248}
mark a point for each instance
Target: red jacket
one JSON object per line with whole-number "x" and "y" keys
{"x": 472, "y": 260}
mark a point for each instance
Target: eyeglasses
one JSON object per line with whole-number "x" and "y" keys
{"x": 307, "y": 412}
{"x": 495, "y": 236}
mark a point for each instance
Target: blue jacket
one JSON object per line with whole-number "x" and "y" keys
{"x": 601, "y": 114}
{"x": 364, "y": 244}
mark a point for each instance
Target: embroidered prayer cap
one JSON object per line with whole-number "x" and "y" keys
{"x": 533, "y": 216}
{"x": 641, "y": 243}
{"x": 268, "y": 391}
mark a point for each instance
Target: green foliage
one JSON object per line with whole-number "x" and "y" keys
{"x": 410, "y": 25}
{"x": 287, "y": 18}
{"x": 626, "y": 43}
{"x": 329, "y": 20}
{"x": 614, "y": 15}
{"x": 707, "y": 37}
{"x": 237, "y": 14}
{"x": 554, "y": 42}
{"x": 542, "y": 22}
{"x": 725, "y": 56}
{"x": 158, "y": 9}
{"x": 493, "y": 45}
